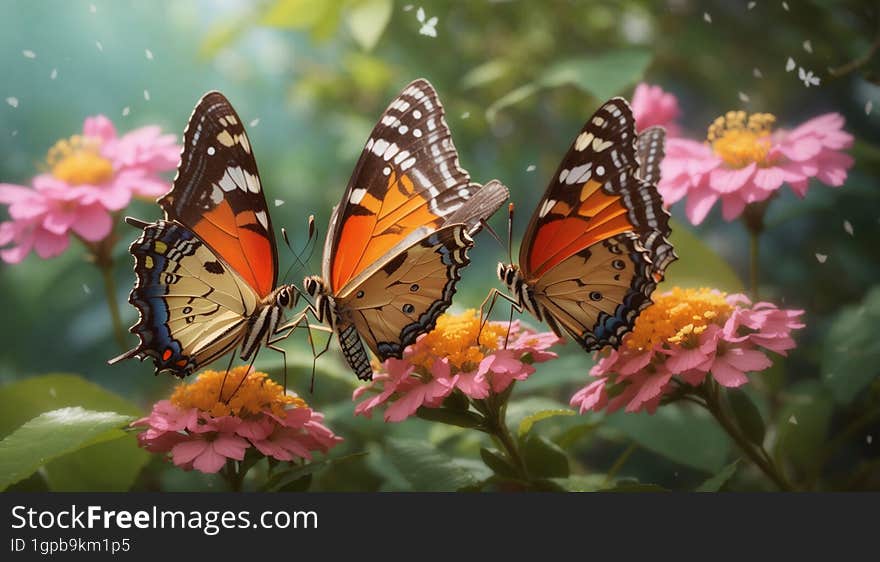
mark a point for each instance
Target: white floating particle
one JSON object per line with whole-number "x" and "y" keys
{"x": 28, "y": 54}
{"x": 125, "y": 111}
{"x": 255, "y": 122}
{"x": 149, "y": 54}
{"x": 466, "y": 114}
{"x": 531, "y": 168}
{"x": 52, "y": 392}
{"x": 821, "y": 258}
{"x": 807, "y": 77}
{"x": 99, "y": 46}
{"x": 792, "y": 420}
{"x": 279, "y": 202}
{"x": 790, "y": 64}
{"x": 15, "y": 132}
{"x": 93, "y": 9}
{"x": 756, "y": 72}
{"x": 706, "y": 17}
{"x": 13, "y": 101}
{"x": 54, "y": 74}
{"x": 743, "y": 97}
{"x": 86, "y": 289}
{"x": 869, "y": 105}
{"x": 868, "y": 439}
{"x": 785, "y": 6}
{"x": 752, "y": 5}
{"x": 408, "y": 8}
{"x": 147, "y": 95}
{"x": 808, "y": 47}
{"x": 847, "y": 226}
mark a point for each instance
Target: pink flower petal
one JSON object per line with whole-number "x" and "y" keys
{"x": 727, "y": 180}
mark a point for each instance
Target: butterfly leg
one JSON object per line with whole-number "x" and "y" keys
{"x": 226, "y": 374}
{"x": 283, "y": 332}
{"x": 491, "y": 299}
{"x": 245, "y": 376}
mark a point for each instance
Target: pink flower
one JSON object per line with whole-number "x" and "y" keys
{"x": 687, "y": 335}
{"x": 449, "y": 359}
{"x": 745, "y": 162}
{"x": 201, "y": 432}
{"x": 90, "y": 176}
{"x": 652, "y": 106}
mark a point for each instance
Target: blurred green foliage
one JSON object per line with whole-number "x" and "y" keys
{"x": 517, "y": 78}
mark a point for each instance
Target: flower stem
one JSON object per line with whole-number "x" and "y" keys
{"x": 755, "y": 452}
{"x": 496, "y": 426}
{"x": 110, "y": 292}
{"x": 754, "y": 263}
{"x": 234, "y": 477}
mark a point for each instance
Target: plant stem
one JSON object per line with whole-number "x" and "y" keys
{"x": 110, "y": 293}
{"x": 618, "y": 464}
{"x": 755, "y": 452}
{"x": 496, "y": 426}
{"x": 754, "y": 263}
{"x": 233, "y": 476}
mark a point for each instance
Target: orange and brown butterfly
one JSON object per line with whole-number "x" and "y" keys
{"x": 400, "y": 236}
{"x": 207, "y": 273}
{"x": 598, "y": 242}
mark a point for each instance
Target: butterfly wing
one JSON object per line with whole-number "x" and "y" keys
{"x": 596, "y": 295}
{"x": 193, "y": 306}
{"x": 401, "y": 297}
{"x": 584, "y": 253}
{"x": 595, "y": 194}
{"x": 407, "y": 177}
{"x": 650, "y": 150}
{"x": 218, "y": 195}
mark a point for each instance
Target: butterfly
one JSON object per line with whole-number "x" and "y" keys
{"x": 597, "y": 244}
{"x": 399, "y": 238}
{"x": 207, "y": 273}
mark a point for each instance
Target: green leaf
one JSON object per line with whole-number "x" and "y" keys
{"x": 698, "y": 264}
{"x": 601, "y": 76}
{"x": 111, "y": 466}
{"x": 748, "y": 418}
{"x": 53, "y": 434}
{"x": 35, "y": 395}
{"x": 631, "y": 486}
{"x": 525, "y": 426}
{"x": 851, "y": 358}
{"x": 685, "y": 435}
{"x": 802, "y": 426}
{"x": 582, "y": 482}
{"x": 426, "y": 468}
{"x": 84, "y": 469}
{"x": 544, "y": 458}
{"x": 283, "y": 479}
{"x": 320, "y": 17}
{"x": 485, "y": 73}
{"x": 367, "y": 20}
{"x": 499, "y": 464}
{"x": 718, "y": 481}
{"x": 452, "y": 417}
{"x": 519, "y": 410}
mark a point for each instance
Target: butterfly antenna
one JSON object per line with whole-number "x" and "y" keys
{"x": 241, "y": 382}
{"x": 226, "y": 374}
{"x": 491, "y": 231}
{"x": 510, "y": 233}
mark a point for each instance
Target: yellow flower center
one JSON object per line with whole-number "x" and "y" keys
{"x": 679, "y": 317}
{"x": 740, "y": 139}
{"x": 257, "y": 393}
{"x": 455, "y": 337}
{"x": 78, "y": 160}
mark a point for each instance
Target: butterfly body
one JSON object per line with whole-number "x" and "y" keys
{"x": 206, "y": 275}
{"x": 399, "y": 238}
{"x": 597, "y": 244}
